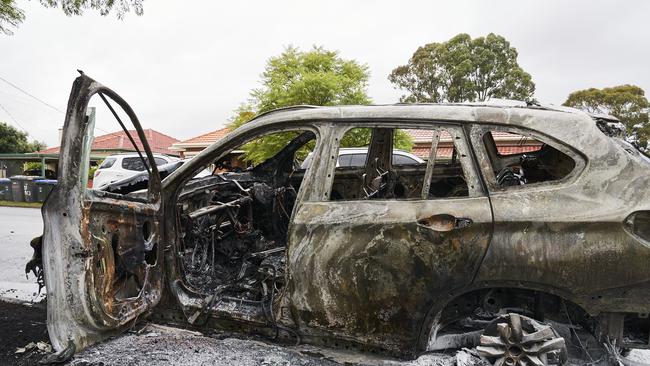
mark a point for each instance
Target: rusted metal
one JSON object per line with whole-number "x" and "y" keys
{"x": 515, "y": 340}
{"x": 88, "y": 235}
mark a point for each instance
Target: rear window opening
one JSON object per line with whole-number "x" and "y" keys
{"x": 107, "y": 163}
{"x": 518, "y": 159}
{"x": 135, "y": 163}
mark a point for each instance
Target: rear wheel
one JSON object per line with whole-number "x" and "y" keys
{"x": 517, "y": 340}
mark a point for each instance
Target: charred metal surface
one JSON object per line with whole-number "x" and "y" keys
{"x": 518, "y": 340}
{"x": 99, "y": 253}
{"x": 35, "y": 265}
{"x": 389, "y": 271}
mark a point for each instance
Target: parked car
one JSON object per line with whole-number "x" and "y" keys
{"x": 118, "y": 167}
{"x": 140, "y": 181}
{"x": 384, "y": 258}
{"x": 356, "y": 157}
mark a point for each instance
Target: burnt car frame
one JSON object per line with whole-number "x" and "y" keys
{"x": 381, "y": 272}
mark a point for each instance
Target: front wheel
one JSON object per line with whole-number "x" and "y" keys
{"x": 517, "y": 340}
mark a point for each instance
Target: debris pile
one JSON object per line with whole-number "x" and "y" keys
{"x": 235, "y": 243}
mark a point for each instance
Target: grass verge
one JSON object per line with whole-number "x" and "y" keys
{"x": 21, "y": 204}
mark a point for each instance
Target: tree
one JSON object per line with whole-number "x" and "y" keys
{"x": 14, "y": 141}
{"x": 625, "y": 102}
{"x": 463, "y": 70}
{"x": 11, "y": 16}
{"x": 316, "y": 77}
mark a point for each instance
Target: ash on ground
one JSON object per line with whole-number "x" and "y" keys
{"x": 162, "y": 345}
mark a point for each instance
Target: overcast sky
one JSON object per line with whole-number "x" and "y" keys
{"x": 184, "y": 66}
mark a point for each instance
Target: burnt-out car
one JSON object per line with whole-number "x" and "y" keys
{"x": 520, "y": 215}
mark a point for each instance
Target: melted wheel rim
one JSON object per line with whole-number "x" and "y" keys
{"x": 516, "y": 340}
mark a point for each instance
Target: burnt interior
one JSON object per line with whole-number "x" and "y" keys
{"x": 381, "y": 178}
{"x": 544, "y": 164}
{"x": 401, "y": 182}
{"x": 233, "y": 226}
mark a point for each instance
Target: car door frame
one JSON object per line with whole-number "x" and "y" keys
{"x": 246, "y": 313}
{"x": 89, "y": 235}
{"x": 308, "y": 279}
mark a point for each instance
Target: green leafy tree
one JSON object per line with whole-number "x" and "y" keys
{"x": 11, "y": 16}
{"x": 32, "y": 165}
{"x": 14, "y": 141}
{"x": 625, "y": 102}
{"x": 315, "y": 77}
{"x": 463, "y": 70}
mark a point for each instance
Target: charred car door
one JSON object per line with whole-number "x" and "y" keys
{"x": 371, "y": 255}
{"x": 100, "y": 250}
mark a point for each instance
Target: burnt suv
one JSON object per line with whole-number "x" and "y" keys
{"x": 519, "y": 217}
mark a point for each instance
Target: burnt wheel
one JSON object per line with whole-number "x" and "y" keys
{"x": 517, "y": 340}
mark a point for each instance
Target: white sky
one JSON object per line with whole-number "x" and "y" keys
{"x": 184, "y": 66}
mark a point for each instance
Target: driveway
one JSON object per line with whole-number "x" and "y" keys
{"x": 18, "y": 227}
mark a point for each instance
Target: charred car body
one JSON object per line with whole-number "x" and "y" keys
{"x": 380, "y": 257}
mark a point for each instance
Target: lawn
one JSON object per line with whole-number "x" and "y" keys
{"x": 21, "y": 204}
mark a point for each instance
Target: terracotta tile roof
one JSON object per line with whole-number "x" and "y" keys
{"x": 207, "y": 138}
{"x": 426, "y": 135}
{"x": 445, "y": 152}
{"x": 507, "y": 143}
{"x": 159, "y": 142}
{"x": 509, "y": 150}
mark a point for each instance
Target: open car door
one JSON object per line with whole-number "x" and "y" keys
{"x": 101, "y": 252}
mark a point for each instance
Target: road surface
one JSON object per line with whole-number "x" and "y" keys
{"x": 18, "y": 226}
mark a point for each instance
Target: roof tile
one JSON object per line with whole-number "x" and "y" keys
{"x": 158, "y": 142}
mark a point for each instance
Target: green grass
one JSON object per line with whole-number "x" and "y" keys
{"x": 21, "y": 204}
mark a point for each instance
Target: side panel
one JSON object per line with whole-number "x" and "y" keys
{"x": 367, "y": 272}
{"x": 568, "y": 237}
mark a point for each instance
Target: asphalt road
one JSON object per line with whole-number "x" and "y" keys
{"x": 18, "y": 226}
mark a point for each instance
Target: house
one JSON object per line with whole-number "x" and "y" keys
{"x": 189, "y": 148}
{"x": 102, "y": 146}
{"x": 118, "y": 142}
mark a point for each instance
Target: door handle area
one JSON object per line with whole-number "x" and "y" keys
{"x": 444, "y": 222}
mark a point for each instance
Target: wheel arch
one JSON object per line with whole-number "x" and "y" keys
{"x": 440, "y": 313}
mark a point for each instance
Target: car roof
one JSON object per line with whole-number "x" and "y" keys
{"x": 411, "y": 110}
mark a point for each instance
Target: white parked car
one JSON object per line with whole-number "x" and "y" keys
{"x": 118, "y": 167}
{"x": 356, "y": 157}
